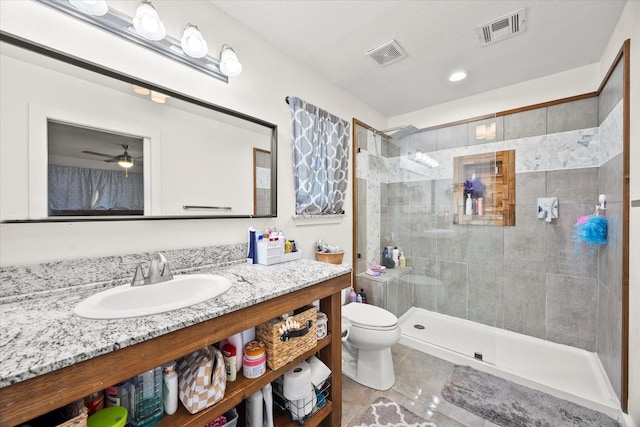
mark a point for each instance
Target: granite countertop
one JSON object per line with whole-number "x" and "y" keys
{"x": 39, "y": 332}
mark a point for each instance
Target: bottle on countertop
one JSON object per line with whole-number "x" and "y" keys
{"x": 363, "y": 296}
{"x": 352, "y": 296}
{"x": 403, "y": 260}
{"x": 359, "y": 298}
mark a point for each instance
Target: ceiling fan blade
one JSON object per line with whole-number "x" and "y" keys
{"x": 111, "y": 160}
{"x": 97, "y": 154}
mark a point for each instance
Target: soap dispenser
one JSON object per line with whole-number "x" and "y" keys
{"x": 468, "y": 209}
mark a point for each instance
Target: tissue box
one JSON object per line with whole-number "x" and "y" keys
{"x": 271, "y": 251}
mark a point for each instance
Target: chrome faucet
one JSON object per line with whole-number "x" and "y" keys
{"x": 159, "y": 271}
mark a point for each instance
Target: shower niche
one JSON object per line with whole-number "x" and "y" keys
{"x": 484, "y": 189}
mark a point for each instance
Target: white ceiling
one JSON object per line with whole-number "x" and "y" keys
{"x": 439, "y": 37}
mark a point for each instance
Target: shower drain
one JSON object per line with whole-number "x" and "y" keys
{"x": 418, "y": 326}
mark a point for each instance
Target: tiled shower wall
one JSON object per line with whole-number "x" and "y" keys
{"x": 531, "y": 278}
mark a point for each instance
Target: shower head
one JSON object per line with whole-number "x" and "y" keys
{"x": 398, "y": 132}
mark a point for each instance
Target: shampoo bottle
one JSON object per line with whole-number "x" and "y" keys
{"x": 236, "y": 341}
{"x": 170, "y": 388}
{"x": 468, "y": 209}
{"x": 253, "y": 410}
{"x": 403, "y": 260}
{"x": 268, "y": 405}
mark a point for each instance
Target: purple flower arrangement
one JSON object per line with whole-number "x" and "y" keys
{"x": 475, "y": 187}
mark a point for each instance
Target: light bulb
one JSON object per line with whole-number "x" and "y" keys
{"x": 192, "y": 42}
{"x": 229, "y": 64}
{"x": 158, "y": 97}
{"x": 91, "y": 7}
{"x": 147, "y": 23}
{"x": 457, "y": 76}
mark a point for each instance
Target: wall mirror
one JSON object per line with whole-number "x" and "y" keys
{"x": 64, "y": 119}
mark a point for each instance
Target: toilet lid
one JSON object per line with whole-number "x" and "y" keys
{"x": 369, "y": 315}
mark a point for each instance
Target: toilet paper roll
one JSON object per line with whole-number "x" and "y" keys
{"x": 300, "y": 408}
{"x": 297, "y": 382}
{"x": 319, "y": 371}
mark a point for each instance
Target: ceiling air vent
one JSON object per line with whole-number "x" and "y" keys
{"x": 387, "y": 53}
{"x": 502, "y": 28}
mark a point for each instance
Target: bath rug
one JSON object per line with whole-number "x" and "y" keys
{"x": 508, "y": 404}
{"x": 386, "y": 413}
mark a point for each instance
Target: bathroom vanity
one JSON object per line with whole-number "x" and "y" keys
{"x": 36, "y": 379}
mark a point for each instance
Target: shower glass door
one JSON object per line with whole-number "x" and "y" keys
{"x": 405, "y": 196}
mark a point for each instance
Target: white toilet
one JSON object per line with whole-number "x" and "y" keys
{"x": 368, "y": 334}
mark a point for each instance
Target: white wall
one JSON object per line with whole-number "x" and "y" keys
{"x": 260, "y": 91}
{"x": 556, "y": 86}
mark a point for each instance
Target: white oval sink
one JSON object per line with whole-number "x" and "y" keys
{"x": 132, "y": 301}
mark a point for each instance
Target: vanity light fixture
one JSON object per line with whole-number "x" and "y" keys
{"x": 457, "y": 76}
{"x": 147, "y": 22}
{"x": 146, "y": 29}
{"x": 92, "y": 7}
{"x": 229, "y": 63}
{"x": 192, "y": 42}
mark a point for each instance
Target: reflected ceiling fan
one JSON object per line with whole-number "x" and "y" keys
{"x": 125, "y": 160}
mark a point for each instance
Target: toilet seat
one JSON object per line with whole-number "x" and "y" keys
{"x": 369, "y": 316}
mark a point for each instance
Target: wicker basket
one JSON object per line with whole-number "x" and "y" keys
{"x": 79, "y": 412}
{"x": 283, "y": 348}
{"x": 330, "y": 257}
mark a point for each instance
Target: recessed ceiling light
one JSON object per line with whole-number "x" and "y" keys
{"x": 457, "y": 76}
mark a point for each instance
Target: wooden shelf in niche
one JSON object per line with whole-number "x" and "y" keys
{"x": 497, "y": 171}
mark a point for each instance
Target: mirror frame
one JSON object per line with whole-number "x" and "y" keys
{"x": 74, "y": 61}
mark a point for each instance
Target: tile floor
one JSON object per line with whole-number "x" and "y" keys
{"x": 419, "y": 377}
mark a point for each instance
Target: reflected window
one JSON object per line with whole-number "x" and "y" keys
{"x": 93, "y": 172}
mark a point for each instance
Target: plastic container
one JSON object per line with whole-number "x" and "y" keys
{"x": 117, "y": 395}
{"x": 267, "y": 395}
{"x": 94, "y": 402}
{"x": 254, "y": 409}
{"x": 254, "y": 363}
{"x": 229, "y": 354}
{"x": 170, "y": 388}
{"x": 254, "y": 368}
{"x": 321, "y": 325}
{"x": 236, "y": 341}
{"x": 114, "y": 416}
{"x": 145, "y": 398}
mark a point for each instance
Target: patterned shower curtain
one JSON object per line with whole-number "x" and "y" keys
{"x": 320, "y": 157}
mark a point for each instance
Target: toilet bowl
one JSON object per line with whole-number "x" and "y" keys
{"x": 368, "y": 334}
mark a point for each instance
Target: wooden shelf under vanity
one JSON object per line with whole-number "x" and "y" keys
{"x": 28, "y": 399}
